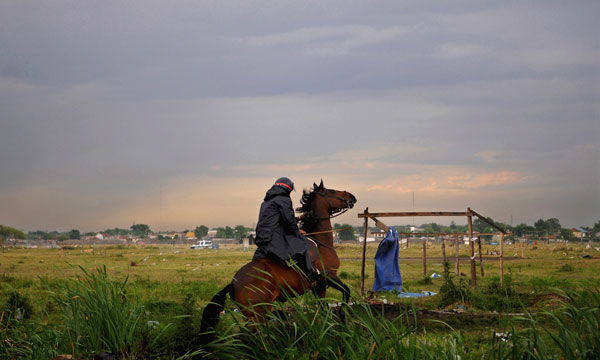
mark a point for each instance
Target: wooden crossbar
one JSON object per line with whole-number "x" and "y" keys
{"x": 418, "y": 213}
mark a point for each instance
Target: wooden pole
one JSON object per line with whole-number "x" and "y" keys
{"x": 502, "y": 259}
{"x": 472, "y": 246}
{"x": 418, "y": 213}
{"x": 457, "y": 256}
{"x": 364, "y": 254}
{"x": 424, "y": 257}
{"x": 480, "y": 255}
{"x": 444, "y": 249}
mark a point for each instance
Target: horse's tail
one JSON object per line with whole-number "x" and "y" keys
{"x": 212, "y": 312}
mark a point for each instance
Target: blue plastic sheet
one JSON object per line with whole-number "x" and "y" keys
{"x": 387, "y": 270}
{"x": 411, "y": 295}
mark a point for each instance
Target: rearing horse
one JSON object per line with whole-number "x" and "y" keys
{"x": 264, "y": 281}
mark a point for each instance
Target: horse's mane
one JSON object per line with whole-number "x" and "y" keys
{"x": 306, "y": 200}
{"x": 308, "y": 195}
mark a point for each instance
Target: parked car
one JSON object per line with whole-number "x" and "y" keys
{"x": 202, "y": 244}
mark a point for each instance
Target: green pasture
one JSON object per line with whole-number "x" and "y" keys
{"x": 172, "y": 284}
{"x": 166, "y": 272}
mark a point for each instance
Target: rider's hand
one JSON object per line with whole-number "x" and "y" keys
{"x": 302, "y": 232}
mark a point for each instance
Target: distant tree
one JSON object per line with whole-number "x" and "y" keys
{"x": 89, "y": 233}
{"x": 595, "y": 229}
{"x": 567, "y": 234}
{"x": 481, "y": 226}
{"x": 347, "y": 232}
{"x": 62, "y": 237}
{"x": 431, "y": 228}
{"x": 240, "y": 231}
{"x": 452, "y": 225}
{"x": 117, "y": 231}
{"x": 7, "y": 232}
{"x": 540, "y": 225}
{"x": 38, "y": 234}
{"x": 226, "y": 232}
{"x": 522, "y": 229}
{"x": 141, "y": 230}
{"x": 553, "y": 226}
{"x": 74, "y": 234}
{"x": 201, "y": 231}
{"x": 52, "y": 235}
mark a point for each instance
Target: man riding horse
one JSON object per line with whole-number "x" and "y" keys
{"x": 277, "y": 234}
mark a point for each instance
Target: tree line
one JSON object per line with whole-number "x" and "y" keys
{"x": 541, "y": 227}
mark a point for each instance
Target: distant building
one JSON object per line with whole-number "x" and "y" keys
{"x": 580, "y": 233}
{"x": 377, "y": 235}
{"x": 190, "y": 235}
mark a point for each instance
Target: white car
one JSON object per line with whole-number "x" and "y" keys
{"x": 202, "y": 244}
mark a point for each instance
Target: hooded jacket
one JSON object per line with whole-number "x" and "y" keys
{"x": 277, "y": 233}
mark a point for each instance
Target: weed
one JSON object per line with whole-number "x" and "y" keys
{"x": 187, "y": 330}
{"x": 19, "y": 305}
{"x": 451, "y": 292}
{"x": 497, "y": 297}
{"x": 346, "y": 276}
{"x": 566, "y": 268}
{"x": 425, "y": 280}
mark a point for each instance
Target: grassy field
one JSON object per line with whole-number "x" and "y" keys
{"x": 180, "y": 269}
{"x": 172, "y": 282}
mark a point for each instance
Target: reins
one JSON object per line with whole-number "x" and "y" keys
{"x": 328, "y": 231}
{"x": 337, "y": 212}
{"x": 331, "y": 216}
{"x": 319, "y": 243}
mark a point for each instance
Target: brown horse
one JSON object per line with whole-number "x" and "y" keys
{"x": 264, "y": 281}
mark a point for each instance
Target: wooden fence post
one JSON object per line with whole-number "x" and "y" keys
{"x": 472, "y": 246}
{"x": 480, "y": 254}
{"x": 424, "y": 257}
{"x": 444, "y": 249}
{"x": 364, "y": 254}
{"x": 457, "y": 255}
{"x": 502, "y": 259}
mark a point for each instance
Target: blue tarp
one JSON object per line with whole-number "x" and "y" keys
{"x": 410, "y": 295}
{"x": 387, "y": 270}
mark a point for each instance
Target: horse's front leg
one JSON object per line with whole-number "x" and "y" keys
{"x": 334, "y": 281}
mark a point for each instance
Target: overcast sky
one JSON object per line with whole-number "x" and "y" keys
{"x": 493, "y": 106}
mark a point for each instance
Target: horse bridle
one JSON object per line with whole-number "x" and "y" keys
{"x": 337, "y": 211}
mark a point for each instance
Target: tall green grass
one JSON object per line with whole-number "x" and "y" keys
{"x": 94, "y": 314}
{"x": 99, "y": 316}
{"x": 307, "y": 329}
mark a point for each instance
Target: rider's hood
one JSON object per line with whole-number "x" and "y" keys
{"x": 276, "y": 191}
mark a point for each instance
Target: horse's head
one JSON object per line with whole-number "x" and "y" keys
{"x": 320, "y": 203}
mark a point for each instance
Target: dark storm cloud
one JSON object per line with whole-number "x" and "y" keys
{"x": 100, "y": 102}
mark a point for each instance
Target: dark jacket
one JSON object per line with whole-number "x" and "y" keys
{"x": 277, "y": 233}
